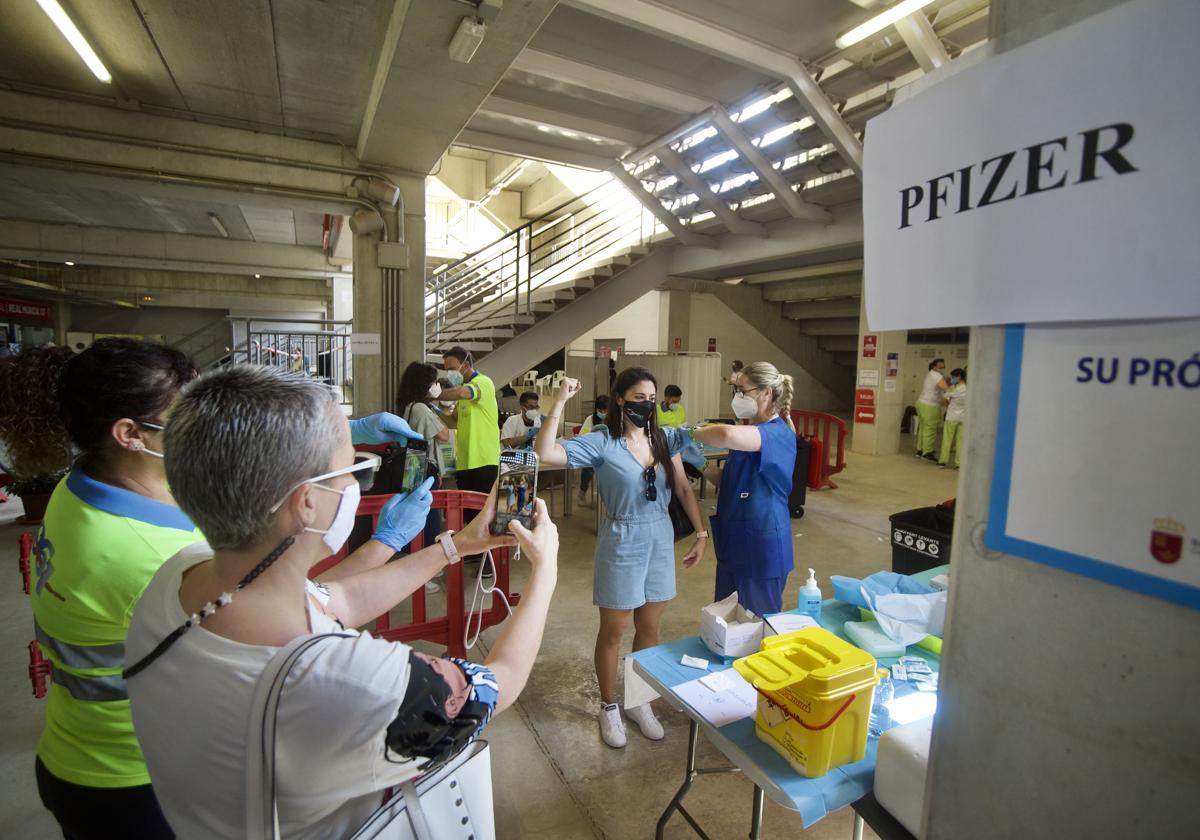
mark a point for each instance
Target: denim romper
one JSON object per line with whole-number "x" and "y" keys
{"x": 635, "y": 546}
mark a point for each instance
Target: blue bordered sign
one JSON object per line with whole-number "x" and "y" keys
{"x": 1097, "y": 451}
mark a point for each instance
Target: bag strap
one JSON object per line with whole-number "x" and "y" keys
{"x": 262, "y": 818}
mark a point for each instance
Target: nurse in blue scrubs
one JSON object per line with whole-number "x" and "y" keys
{"x": 752, "y": 529}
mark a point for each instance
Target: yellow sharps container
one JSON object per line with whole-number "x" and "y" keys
{"x": 814, "y": 698}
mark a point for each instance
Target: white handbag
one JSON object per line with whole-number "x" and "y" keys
{"x": 453, "y": 800}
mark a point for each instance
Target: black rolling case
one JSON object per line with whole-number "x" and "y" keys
{"x": 799, "y": 478}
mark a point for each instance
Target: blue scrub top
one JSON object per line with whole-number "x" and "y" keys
{"x": 752, "y": 529}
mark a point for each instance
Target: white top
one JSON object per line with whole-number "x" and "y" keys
{"x": 191, "y": 711}
{"x": 515, "y": 426}
{"x": 931, "y": 394}
{"x": 957, "y": 412}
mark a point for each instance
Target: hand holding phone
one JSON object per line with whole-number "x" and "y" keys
{"x": 516, "y": 490}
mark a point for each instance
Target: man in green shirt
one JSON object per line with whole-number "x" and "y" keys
{"x": 477, "y": 444}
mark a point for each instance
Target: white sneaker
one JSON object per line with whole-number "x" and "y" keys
{"x": 644, "y": 717}
{"x": 433, "y": 587}
{"x": 612, "y": 728}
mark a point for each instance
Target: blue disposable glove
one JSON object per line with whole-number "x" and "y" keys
{"x": 693, "y": 454}
{"x": 530, "y": 434}
{"x": 404, "y": 515}
{"x": 383, "y": 427}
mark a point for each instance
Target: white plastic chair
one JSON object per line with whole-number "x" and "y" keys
{"x": 543, "y": 385}
{"x": 557, "y": 380}
{"x": 529, "y": 380}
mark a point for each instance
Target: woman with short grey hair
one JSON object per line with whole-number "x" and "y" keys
{"x": 262, "y": 462}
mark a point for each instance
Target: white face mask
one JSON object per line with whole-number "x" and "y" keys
{"x": 454, "y": 377}
{"x": 339, "y": 529}
{"x": 435, "y": 390}
{"x": 743, "y": 406}
{"x": 531, "y": 415}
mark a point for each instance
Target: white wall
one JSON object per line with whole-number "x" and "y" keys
{"x": 642, "y": 325}
{"x": 738, "y": 339}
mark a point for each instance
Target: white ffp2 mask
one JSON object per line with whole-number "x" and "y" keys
{"x": 743, "y": 407}
{"x": 339, "y": 529}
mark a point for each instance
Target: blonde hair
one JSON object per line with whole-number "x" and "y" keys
{"x": 766, "y": 375}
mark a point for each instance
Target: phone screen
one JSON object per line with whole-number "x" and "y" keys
{"x": 516, "y": 491}
{"x": 416, "y": 465}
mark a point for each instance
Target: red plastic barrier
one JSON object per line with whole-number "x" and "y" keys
{"x": 446, "y": 629}
{"x": 39, "y": 670}
{"x": 24, "y": 551}
{"x": 828, "y": 436}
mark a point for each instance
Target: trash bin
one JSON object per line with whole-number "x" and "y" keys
{"x": 921, "y": 538}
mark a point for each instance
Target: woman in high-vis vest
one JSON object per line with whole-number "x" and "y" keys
{"x": 111, "y": 523}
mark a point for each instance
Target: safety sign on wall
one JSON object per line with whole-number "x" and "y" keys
{"x": 870, "y": 345}
{"x": 1097, "y": 452}
{"x": 1030, "y": 203}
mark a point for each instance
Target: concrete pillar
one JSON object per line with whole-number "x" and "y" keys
{"x": 1066, "y": 706}
{"x": 679, "y": 318}
{"x": 879, "y": 435}
{"x": 389, "y": 299}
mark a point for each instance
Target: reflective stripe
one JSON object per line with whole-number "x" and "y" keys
{"x": 81, "y": 657}
{"x": 100, "y": 689}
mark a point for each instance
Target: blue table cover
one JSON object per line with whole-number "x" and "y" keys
{"x": 813, "y": 798}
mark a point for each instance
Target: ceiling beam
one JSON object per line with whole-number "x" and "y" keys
{"x": 832, "y": 326}
{"x": 700, "y": 34}
{"x": 548, "y": 65}
{"x": 670, "y": 221}
{"x": 815, "y": 289}
{"x": 491, "y": 142}
{"x": 383, "y": 70}
{"x": 927, "y": 48}
{"x": 796, "y": 206}
{"x": 165, "y": 251}
{"x": 843, "y": 308}
{"x": 720, "y": 208}
{"x": 806, "y": 272}
{"x": 537, "y": 115}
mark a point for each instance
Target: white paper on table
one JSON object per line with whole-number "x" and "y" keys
{"x": 909, "y": 618}
{"x": 735, "y": 701}
{"x": 781, "y": 623}
{"x": 637, "y": 690}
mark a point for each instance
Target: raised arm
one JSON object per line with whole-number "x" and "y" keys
{"x": 722, "y": 436}
{"x": 549, "y": 452}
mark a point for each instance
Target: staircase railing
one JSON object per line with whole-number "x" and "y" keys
{"x": 504, "y": 276}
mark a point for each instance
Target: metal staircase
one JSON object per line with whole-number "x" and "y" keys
{"x": 491, "y": 296}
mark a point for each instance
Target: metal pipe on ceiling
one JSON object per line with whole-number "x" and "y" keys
{"x": 76, "y": 165}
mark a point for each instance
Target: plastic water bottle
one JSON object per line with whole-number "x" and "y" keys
{"x": 881, "y": 718}
{"x": 810, "y": 597}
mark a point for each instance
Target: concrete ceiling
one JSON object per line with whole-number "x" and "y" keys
{"x": 305, "y": 68}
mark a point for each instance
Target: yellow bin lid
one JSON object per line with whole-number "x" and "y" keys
{"x": 828, "y": 666}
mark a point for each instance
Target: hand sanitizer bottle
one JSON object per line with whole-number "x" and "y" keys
{"x": 810, "y": 597}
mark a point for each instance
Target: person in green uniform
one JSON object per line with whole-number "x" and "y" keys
{"x": 477, "y": 441}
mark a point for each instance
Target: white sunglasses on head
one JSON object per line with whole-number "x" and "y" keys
{"x": 365, "y": 465}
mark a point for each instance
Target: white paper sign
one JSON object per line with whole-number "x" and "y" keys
{"x": 889, "y": 385}
{"x": 1098, "y": 452}
{"x": 868, "y": 378}
{"x": 1035, "y": 185}
{"x": 365, "y": 344}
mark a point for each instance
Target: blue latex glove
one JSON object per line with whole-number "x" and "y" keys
{"x": 530, "y": 434}
{"x": 404, "y": 515}
{"x": 692, "y": 454}
{"x": 383, "y": 427}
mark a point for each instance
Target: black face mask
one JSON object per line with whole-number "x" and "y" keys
{"x": 639, "y": 413}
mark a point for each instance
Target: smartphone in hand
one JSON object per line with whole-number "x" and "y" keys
{"x": 416, "y": 465}
{"x": 516, "y": 490}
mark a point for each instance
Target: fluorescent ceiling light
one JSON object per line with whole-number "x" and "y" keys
{"x": 218, "y": 224}
{"x": 68, "y": 262}
{"x": 881, "y": 21}
{"x": 75, "y": 38}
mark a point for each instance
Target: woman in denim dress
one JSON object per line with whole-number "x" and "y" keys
{"x": 637, "y": 468}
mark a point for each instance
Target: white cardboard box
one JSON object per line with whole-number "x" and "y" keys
{"x": 729, "y": 629}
